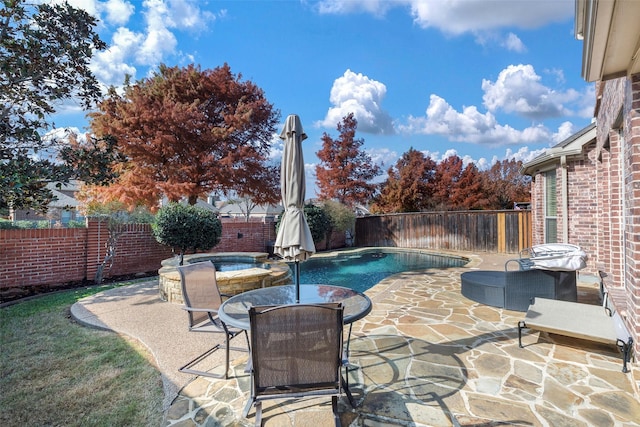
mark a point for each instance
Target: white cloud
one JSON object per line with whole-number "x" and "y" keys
{"x": 482, "y": 164}
{"x": 457, "y": 17}
{"x": 118, "y": 12}
{"x": 523, "y": 154}
{"x": 565, "y": 130}
{"x": 186, "y": 14}
{"x": 159, "y": 41}
{"x": 382, "y": 157}
{"x": 148, "y": 47}
{"x": 518, "y": 90}
{"x": 465, "y": 16}
{"x": 358, "y": 94}
{"x": 374, "y": 7}
{"x": 470, "y": 126}
{"x": 111, "y": 66}
{"x": 586, "y": 102}
{"x": 513, "y": 43}
{"x": 276, "y": 148}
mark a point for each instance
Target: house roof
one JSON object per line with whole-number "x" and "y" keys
{"x": 235, "y": 209}
{"x": 611, "y": 36}
{"x": 64, "y": 194}
{"x": 571, "y": 146}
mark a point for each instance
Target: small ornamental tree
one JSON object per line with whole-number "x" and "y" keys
{"x": 319, "y": 222}
{"x": 185, "y": 227}
{"x": 116, "y": 218}
{"x": 342, "y": 219}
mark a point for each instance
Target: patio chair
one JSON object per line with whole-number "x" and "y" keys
{"x": 202, "y": 299}
{"x": 296, "y": 352}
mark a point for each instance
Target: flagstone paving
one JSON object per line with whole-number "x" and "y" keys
{"x": 427, "y": 356}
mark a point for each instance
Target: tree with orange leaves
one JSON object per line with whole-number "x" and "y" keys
{"x": 187, "y": 133}
{"x": 409, "y": 187}
{"x": 468, "y": 191}
{"x": 345, "y": 171}
{"x": 506, "y": 185}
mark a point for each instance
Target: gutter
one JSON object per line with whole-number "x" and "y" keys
{"x": 565, "y": 199}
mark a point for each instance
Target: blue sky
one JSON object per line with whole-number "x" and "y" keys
{"x": 483, "y": 79}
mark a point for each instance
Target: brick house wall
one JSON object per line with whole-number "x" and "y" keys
{"x": 603, "y": 194}
{"x": 618, "y": 149}
{"x": 581, "y": 208}
{"x": 582, "y": 203}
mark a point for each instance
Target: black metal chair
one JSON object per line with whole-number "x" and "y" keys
{"x": 296, "y": 352}
{"x": 202, "y": 299}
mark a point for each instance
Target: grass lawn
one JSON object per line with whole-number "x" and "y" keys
{"x": 56, "y": 372}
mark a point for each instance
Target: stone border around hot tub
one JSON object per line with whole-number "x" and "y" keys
{"x": 229, "y": 282}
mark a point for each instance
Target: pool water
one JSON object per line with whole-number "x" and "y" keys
{"x": 361, "y": 271}
{"x": 233, "y": 265}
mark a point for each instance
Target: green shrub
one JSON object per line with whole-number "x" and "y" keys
{"x": 184, "y": 227}
{"x": 24, "y": 224}
{"x": 342, "y": 219}
{"x": 76, "y": 224}
{"x": 7, "y": 225}
{"x": 319, "y": 222}
{"x": 141, "y": 215}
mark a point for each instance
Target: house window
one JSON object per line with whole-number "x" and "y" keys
{"x": 550, "y": 208}
{"x": 65, "y": 217}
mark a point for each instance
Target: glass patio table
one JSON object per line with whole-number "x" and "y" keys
{"x": 235, "y": 310}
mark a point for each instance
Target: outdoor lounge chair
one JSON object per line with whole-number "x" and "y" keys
{"x": 202, "y": 299}
{"x": 515, "y": 290}
{"x": 583, "y": 321}
{"x": 296, "y": 352}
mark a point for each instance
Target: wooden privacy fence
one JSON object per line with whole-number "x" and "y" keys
{"x": 485, "y": 231}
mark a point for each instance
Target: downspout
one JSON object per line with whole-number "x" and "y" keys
{"x": 565, "y": 200}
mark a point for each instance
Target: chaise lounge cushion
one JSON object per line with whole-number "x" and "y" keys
{"x": 582, "y": 321}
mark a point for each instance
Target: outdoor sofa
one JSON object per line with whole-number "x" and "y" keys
{"x": 515, "y": 290}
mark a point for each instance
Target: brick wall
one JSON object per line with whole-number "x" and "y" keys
{"x": 582, "y": 204}
{"x": 38, "y": 258}
{"x": 241, "y": 236}
{"x": 35, "y": 261}
{"x": 618, "y": 177}
{"x": 604, "y": 198}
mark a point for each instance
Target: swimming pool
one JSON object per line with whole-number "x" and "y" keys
{"x": 361, "y": 270}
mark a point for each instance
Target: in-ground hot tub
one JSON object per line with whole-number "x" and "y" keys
{"x": 237, "y": 272}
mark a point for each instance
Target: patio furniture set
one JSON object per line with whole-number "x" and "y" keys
{"x": 296, "y": 332}
{"x": 296, "y": 345}
{"x": 545, "y": 271}
{"x": 545, "y": 287}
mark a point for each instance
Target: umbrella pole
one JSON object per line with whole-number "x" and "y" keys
{"x": 297, "y": 281}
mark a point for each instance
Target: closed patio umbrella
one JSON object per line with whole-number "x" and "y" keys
{"x": 294, "y": 241}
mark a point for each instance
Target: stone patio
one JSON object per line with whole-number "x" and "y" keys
{"x": 427, "y": 356}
